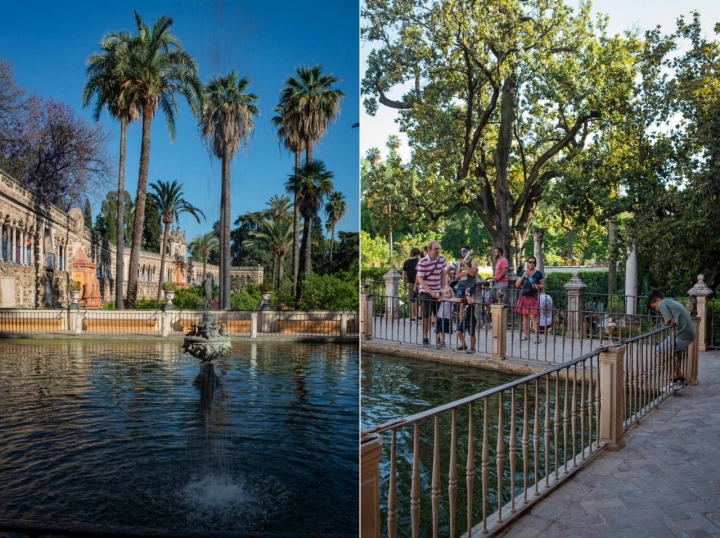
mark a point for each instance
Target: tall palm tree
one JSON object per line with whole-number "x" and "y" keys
{"x": 308, "y": 103}
{"x": 226, "y": 122}
{"x": 373, "y": 156}
{"x": 274, "y": 235}
{"x": 311, "y": 184}
{"x": 279, "y": 207}
{"x": 170, "y": 201}
{"x": 202, "y": 246}
{"x": 158, "y": 69}
{"x": 335, "y": 210}
{"x": 107, "y": 73}
{"x": 288, "y": 124}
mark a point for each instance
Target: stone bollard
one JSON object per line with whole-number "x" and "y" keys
{"x": 253, "y": 324}
{"x": 498, "y": 313}
{"x": 693, "y": 355}
{"x": 165, "y": 323}
{"x": 370, "y": 454}
{"x": 701, "y": 291}
{"x": 575, "y": 318}
{"x": 610, "y": 422}
{"x": 392, "y": 293}
{"x": 75, "y": 322}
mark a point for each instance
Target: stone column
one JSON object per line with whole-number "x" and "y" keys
{"x": 498, "y": 312}
{"x": 366, "y": 315}
{"x": 165, "y": 323}
{"x": 539, "y": 248}
{"x": 370, "y": 455}
{"x": 575, "y": 291}
{"x": 631, "y": 290}
{"x": 343, "y": 325}
{"x": 253, "y": 324}
{"x": 392, "y": 293}
{"x": 23, "y": 248}
{"x": 701, "y": 291}
{"x": 12, "y": 243}
{"x": 610, "y": 423}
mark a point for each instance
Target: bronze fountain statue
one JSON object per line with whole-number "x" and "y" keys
{"x": 207, "y": 341}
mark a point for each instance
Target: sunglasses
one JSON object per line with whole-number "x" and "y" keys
{"x": 532, "y": 262}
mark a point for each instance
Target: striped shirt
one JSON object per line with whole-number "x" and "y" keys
{"x": 430, "y": 271}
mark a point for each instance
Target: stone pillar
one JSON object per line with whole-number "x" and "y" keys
{"x": 610, "y": 423}
{"x": 701, "y": 291}
{"x": 22, "y": 247}
{"x": 539, "y": 248}
{"x": 691, "y": 373}
{"x": 12, "y": 243}
{"x": 370, "y": 455}
{"x": 253, "y": 324}
{"x": 631, "y": 282}
{"x": 343, "y": 325}
{"x": 75, "y": 321}
{"x": 498, "y": 312}
{"x": 575, "y": 292}
{"x": 392, "y": 293}
{"x": 165, "y": 323}
{"x": 366, "y": 315}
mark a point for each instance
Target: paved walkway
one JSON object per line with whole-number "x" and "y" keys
{"x": 664, "y": 483}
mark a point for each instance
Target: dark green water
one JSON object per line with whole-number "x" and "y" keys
{"x": 115, "y": 433}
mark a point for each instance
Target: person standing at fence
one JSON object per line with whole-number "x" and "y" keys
{"x": 431, "y": 277}
{"x": 530, "y": 282}
{"x": 466, "y": 273}
{"x": 546, "y": 313}
{"x": 444, "y": 316}
{"x": 409, "y": 275}
{"x": 674, "y": 312}
{"x": 500, "y": 279}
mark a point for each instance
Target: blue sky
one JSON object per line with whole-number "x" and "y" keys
{"x": 49, "y": 41}
{"x": 624, "y": 15}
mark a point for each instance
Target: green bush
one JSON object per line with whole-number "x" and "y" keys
{"x": 189, "y": 298}
{"x": 330, "y": 292}
{"x": 248, "y": 299}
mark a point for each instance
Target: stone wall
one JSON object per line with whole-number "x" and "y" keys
{"x": 20, "y": 279}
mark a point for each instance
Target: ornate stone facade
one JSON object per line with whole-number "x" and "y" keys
{"x": 39, "y": 242}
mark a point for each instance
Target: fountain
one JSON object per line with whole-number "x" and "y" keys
{"x": 206, "y": 341}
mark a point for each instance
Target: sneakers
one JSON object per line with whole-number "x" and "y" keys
{"x": 461, "y": 348}
{"x": 426, "y": 342}
{"x": 440, "y": 345}
{"x": 413, "y": 320}
{"x": 471, "y": 350}
{"x": 680, "y": 382}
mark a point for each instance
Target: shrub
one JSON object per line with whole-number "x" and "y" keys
{"x": 265, "y": 287}
{"x": 330, "y": 292}
{"x": 169, "y": 286}
{"x": 74, "y": 285}
{"x": 189, "y": 299}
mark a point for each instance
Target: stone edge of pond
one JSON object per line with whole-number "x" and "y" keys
{"x": 154, "y": 338}
{"x": 477, "y": 360}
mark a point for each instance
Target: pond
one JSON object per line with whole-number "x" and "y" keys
{"x": 115, "y": 433}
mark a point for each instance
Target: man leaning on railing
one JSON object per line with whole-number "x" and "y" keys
{"x": 674, "y": 312}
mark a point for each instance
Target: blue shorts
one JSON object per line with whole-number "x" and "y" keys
{"x": 443, "y": 325}
{"x": 464, "y": 291}
{"x": 469, "y": 321}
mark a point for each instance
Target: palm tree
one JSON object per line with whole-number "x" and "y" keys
{"x": 311, "y": 185}
{"x": 373, "y": 156}
{"x": 170, "y": 201}
{"x": 274, "y": 235}
{"x": 226, "y": 122}
{"x": 279, "y": 207}
{"x": 335, "y": 210}
{"x": 288, "y": 132}
{"x": 107, "y": 73}
{"x": 202, "y": 246}
{"x": 158, "y": 69}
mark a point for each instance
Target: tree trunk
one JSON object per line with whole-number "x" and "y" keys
{"x": 296, "y": 229}
{"x": 304, "y": 249}
{"x": 221, "y": 249}
{"x": 570, "y": 246}
{"x": 390, "y": 242}
{"x": 226, "y": 227}
{"x": 274, "y": 273}
{"x": 166, "y": 233}
{"x": 307, "y": 249}
{"x": 204, "y": 268}
{"x": 139, "y": 207}
{"x": 612, "y": 256}
{"x": 280, "y": 272}
{"x": 119, "y": 262}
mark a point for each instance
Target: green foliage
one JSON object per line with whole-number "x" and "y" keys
{"x": 169, "y": 286}
{"x": 330, "y": 292}
{"x": 152, "y": 226}
{"x": 244, "y": 301}
{"x": 106, "y": 220}
{"x": 74, "y": 285}
{"x": 189, "y": 298}
{"x": 596, "y": 281}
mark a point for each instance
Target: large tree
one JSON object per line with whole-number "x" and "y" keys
{"x": 202, "y": 246}
{"x": 499, "y": 96}
{"x": 159, "y": 69}
{"x": 227, "y": 122}
{"x": 107, "y": 74}
{"x": 170, "y": 201}
{"x": 106, "y": 220}
{"x": 335, "y": 210}
{"x": 274, "y": 235}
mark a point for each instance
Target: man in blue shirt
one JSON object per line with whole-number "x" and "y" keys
{"x": 674, "y": 312}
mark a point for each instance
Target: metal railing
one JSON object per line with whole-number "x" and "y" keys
{"x": 131, "y": 322}
{"x": 549, "y": 425}
{"x": 712, "y": 326}
{"x": 34, "y": 322}
{"x": 650, "y": 366}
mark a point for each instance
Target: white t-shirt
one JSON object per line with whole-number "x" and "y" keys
{"x": 546, "y": 315}
{"x": 445, "y": 310}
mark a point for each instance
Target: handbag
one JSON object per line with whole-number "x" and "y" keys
{"x": 527, "y": 288}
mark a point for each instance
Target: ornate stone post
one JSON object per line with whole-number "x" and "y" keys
{"x": 392, "y": 293}
{"x": 498, "y": 312}
{"x": 610, "y": 423}
{"x": 575, "y": 291}
{"x": 366, "y": 313}
{"x": 165, "y": 323}
{"x": 370, "y": 454}
{"x": 253, "y": 324}
{"x": 343, "y": 325}
{"x": 691, "y": 373}
{"x": 631, "y": 282}
{"x": 539, "y": 248}
{"x": 701, "y": 291}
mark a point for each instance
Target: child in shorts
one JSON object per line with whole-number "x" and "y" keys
{"x": 444, "y": 315}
